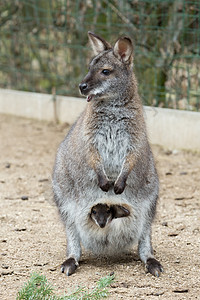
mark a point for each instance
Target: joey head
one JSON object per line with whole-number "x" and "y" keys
{"x": 102, "y": 214}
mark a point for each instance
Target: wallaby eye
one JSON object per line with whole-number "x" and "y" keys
{"x": 106, "y": 72}
{"x": 108, "y": 211}
{"x": 94, "y": 212}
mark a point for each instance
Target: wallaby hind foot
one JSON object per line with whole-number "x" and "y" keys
{"x": 154, "y": 267}
{"x": 69, "y": 266}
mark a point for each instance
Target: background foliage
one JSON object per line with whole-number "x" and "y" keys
{"x": 44, "y": 45}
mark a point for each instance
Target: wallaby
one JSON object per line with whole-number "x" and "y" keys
{"x": 107, "y": 154}
{"x": 102, "y": 214}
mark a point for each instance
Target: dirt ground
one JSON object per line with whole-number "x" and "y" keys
{"x": 32, "y": 237}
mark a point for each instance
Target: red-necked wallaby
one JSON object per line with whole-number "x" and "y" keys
{"x": 106, "y": 155}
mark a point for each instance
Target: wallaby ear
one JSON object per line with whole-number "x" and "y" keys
{"x": 119, "y": 211}
{"x": 123, "y": 49}
{"x": 98, "y": 44}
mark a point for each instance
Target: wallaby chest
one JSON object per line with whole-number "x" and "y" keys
{"x": 112, "y": 141}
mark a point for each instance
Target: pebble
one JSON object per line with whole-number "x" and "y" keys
{"x": 164, "y": 224}
{"x": 173, "y": 234}
{"x": 24, "y": 198}
{"x": 181, "y": 291}
{"x": 183, "y": 173}
{"x": 9, "y": 272}
{"x": 20, "y": 229}
{"x": 5, "y": 266}
{"x": 112, "y": 273}
{"x": 125, "y": 285}
{"x": 43, "y": 180}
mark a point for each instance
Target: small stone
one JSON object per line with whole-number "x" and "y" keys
{"x": 24, "y": 198}
{"x": 40, "y": 264}
{"x": 168, "y": 152}
{"x": 183, "y": 173}
{"x": 181, "y": 291}
{"x": 8, "y": 165}
{"x": 125, "y": 285}
{"x": 177, "y": 261}
{"x": 5, "y": 266}
{"x": 10, "y": 272}
{"x": 181, "y": 227}
{"x": 173, "y": 234}
{"x": 179, "y": 198}
{"x": 43, "y": 180}
{"x": 114, "y": 285}
{"x": 164, "y": 224}
{"x": 20, "y": 229}
{"x": 175, "y": 152}
{"x": 158, "y": 294}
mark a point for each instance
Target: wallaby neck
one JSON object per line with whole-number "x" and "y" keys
{"x": 122, "y": 101}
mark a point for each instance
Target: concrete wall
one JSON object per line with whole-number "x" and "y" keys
{"x": 172, "y": 129}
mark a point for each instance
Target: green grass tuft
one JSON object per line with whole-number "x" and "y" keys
{"x": 37, "y": 288}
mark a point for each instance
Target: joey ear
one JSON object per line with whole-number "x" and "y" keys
{"x": 119, "y": 211}
{"x": 98, "y": 44}
{"x": 123, "y": 49}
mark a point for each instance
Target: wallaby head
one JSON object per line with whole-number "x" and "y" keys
{"x": 109, "y": 64}
{"x": 102, "y": 214}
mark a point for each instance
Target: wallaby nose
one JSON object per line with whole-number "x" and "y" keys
{"x": 102, "y": 225}
{"x": 83, "y": 87}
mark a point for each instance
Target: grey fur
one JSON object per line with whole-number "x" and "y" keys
{"x": 106, "y": 158}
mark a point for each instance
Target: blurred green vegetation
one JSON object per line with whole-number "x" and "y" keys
{"x": 44, "y": 45}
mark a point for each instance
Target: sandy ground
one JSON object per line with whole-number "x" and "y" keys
{"x": 32, "y": 238}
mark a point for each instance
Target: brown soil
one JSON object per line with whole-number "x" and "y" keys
{"x": 32, "y": 238}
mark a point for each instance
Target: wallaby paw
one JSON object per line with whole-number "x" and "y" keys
{"x": 69, "y": 266}
{"x": 119, "y": 186}
{"x": 154, "y": 267}
{"x": 104, "y": 184}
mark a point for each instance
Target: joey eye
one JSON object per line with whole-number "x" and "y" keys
{"x": 94, "y": 212}
{"x": 106, "y": 72}
{"x": 108, "y": 211}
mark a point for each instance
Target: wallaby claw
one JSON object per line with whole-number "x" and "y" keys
{"x": 154, "y": 267}
{"x": 69, "y": 266}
